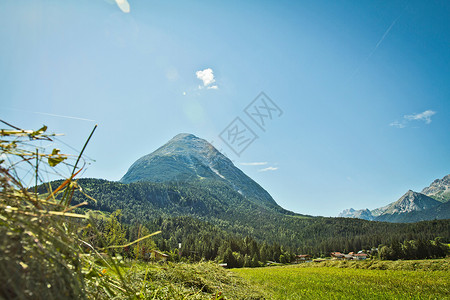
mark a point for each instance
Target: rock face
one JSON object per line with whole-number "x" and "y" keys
{"x": 347, "y": 213}
{"x": 438, "y": 212}
{"x": 439, "y": 189}
{"x": 410, "y": 202}
{"x": 187, "y": 158}
{"x": 364, "y": 214}
{"x": 359, "y": 214}
{"x": 432, "y": 203}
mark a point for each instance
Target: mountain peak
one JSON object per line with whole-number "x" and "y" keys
{"x": 188, "y": 158}
{"x": 186, "y": 136}
{"x": 411, "y": 201}
{"x": 410, "y": 193}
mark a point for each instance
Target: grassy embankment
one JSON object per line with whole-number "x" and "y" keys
{"x": 419, "y": 279}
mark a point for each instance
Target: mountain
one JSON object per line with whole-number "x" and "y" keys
{"x": 347, "y": 213}
{"x": 379, "y": 211}
{"x": 187, "y": 158}
{"x": 410, "y": 202}
{"x": 439, "y": 189}
{"x": 412, "y": 206}
{"x": 364, "y": 214}
{"x": 438, "y": 212}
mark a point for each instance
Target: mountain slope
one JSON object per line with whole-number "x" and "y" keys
{"x": 187, "y": 158}
{"x": 410, "y": 202}
{"x": 364, "y": 214}
{"x": 439, "y": 189}
{"x": 438, "y": 212}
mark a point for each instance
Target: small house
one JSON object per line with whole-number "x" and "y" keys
{"x": 360, "y": 256}
{"x": 302, "y": 258}
{"x": 337, "y": 255}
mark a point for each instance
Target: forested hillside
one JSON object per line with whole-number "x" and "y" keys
{"x": 205, "y": 216}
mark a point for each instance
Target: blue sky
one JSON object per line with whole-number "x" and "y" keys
{"x": 363, "y": 87}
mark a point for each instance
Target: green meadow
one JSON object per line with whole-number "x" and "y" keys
{"x": 348, "y": 282}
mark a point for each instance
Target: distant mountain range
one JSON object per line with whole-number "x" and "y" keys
{"x": 431, "y": 204}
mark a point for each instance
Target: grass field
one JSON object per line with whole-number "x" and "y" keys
{"x": 347, "y": 282}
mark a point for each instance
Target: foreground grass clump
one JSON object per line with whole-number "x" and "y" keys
{"x": 48, "y": 251}
{"x": 302, "y": 282}
{"x": 42, "y": 254}
{"x": 204, "y": 280}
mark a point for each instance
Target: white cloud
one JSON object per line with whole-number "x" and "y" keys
{"x": 207, "y": 77}
{"x": 424, "y": 116}
{"x": 254, "y": 163}
{"x": 123, "y": 5}
{"x": 397, "y": 124}
{"x": 184, "y": 93}
{"x": 268, "y": 169}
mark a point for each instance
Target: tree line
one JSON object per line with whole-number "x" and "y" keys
{"x": 189, "y": 239}
{"x": 413, "y": 249}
